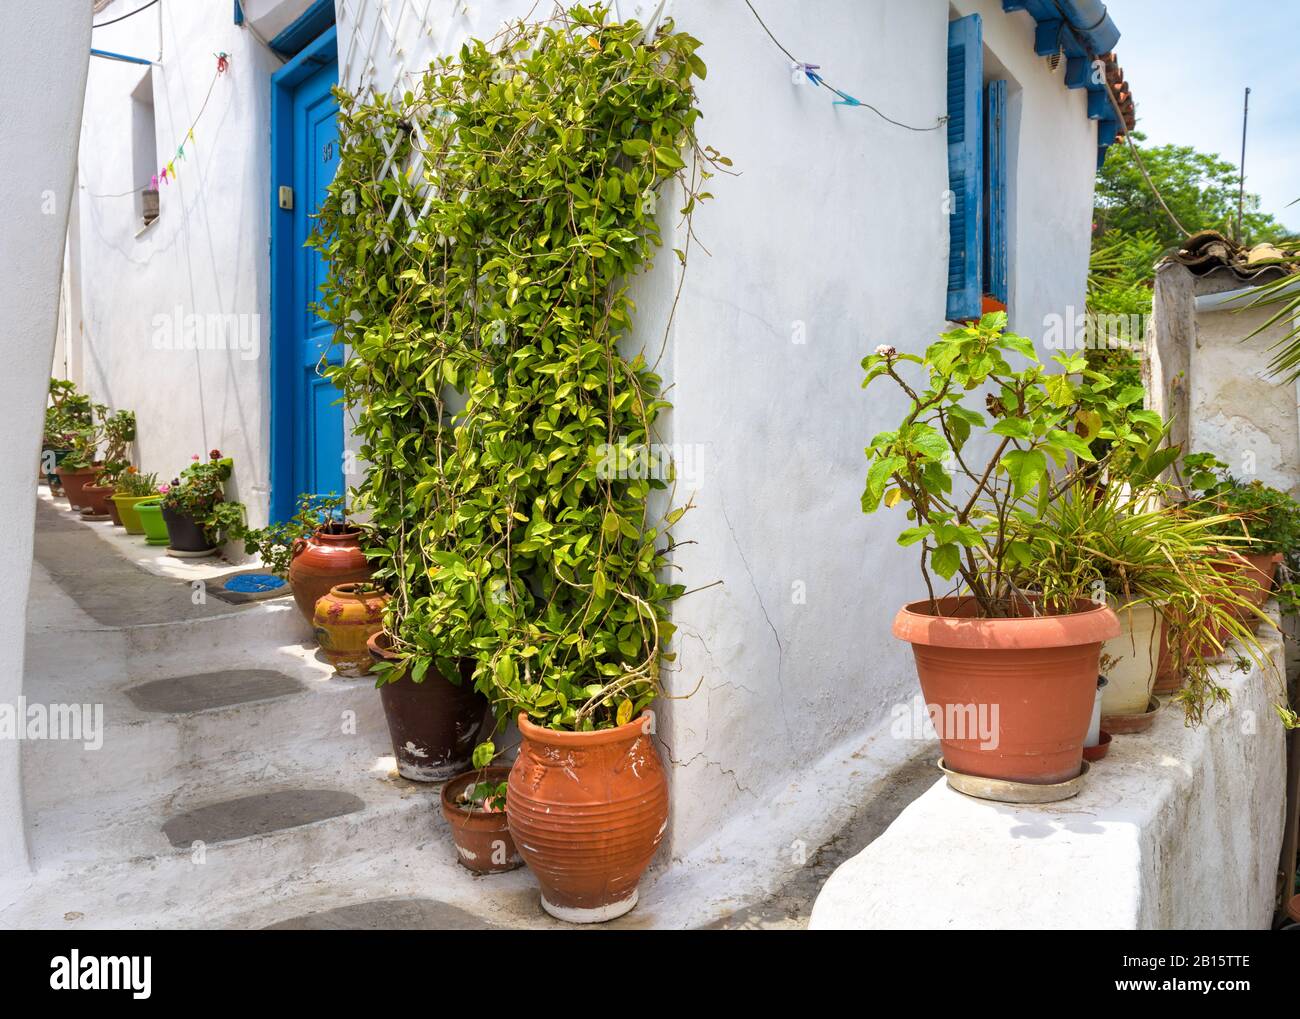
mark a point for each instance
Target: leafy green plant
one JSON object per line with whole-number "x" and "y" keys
{"x": 119, "y": 433}
{"x": 67, "y": 413}
{"x": 1267, "y": 519}
{"x": 273, "y": 544}
{"x": 131, "y": 482}
{"x": 486, "y": 796}
{"x": 485, "y": 363}
{"x": 1034, "y": 422}
{"x": 200, "y": 493}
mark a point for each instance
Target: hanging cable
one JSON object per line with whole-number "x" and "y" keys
{"x": 1119, "y": 119}
{"x": 811, "y": 72}
{"x": 129, "y": 14}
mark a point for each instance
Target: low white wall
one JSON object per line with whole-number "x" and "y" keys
{"x": 44, "y": 78}
{"x": 1176, "y": 828}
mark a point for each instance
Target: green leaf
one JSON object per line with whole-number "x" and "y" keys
{"x": 1072, "y": 442}
{"x": 1059, "y": 390}
{"x": 1026, "y": 467}
{"x": 945, "y": 560}
{"x": 1016, "y": 428}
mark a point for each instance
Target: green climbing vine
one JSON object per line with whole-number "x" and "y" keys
{"x": 482, "y": 289}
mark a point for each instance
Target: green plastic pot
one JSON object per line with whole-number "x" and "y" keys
{"x": 126, "y": 509}
{"x": 150, "y": 512}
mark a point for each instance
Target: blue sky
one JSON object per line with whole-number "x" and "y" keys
{"x": 1189, "y": 61}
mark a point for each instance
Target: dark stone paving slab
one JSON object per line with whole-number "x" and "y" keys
{"x": 107, "y": 587}
{"x": 387, "y": 915}
{"x": 260, "y": 814}
{"x": 204, "y": 691}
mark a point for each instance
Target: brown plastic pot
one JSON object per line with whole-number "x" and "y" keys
{"x": 96, "y": 499}
{"x": 113, "y": 513}
{"x": 587, "y": 811}
{"x": 483, "y": 842}
{"x": 325, "y": 560}
{"x": 1026, "y": 685}
{"x": 434, "y": 723}
{"x": 73, "y": 481}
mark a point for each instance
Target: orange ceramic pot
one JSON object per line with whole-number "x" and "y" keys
{"x": 483, "y": 842}
{"x": 345, "y": 618}
{"x": 587, "y": 811}
{"x": 331, "y": 556}
{"x": 1010, "y": 698}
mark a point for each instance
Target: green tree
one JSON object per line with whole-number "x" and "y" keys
{"x": 1199, "y": 188}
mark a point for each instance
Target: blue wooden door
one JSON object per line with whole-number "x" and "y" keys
{"x": 316, "y": 414}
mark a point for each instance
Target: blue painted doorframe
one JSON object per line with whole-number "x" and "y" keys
{"x": 306, "y": 419}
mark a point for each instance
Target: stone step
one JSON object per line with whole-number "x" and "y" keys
{"x": 258, "y": 814}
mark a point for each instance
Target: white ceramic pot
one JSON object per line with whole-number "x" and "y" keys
{"x": 1094, "y": 726}
{"x": 1130, "y": 660}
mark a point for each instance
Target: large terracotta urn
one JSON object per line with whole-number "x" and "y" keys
{"x": 587, "y": 811}
{"x": 331, "y": 556}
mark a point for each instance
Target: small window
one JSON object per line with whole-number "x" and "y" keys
{"x": 977, "y": 176}
{"x": 144, "y": 150}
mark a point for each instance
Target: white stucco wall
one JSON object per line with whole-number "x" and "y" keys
{"x": 831, "y": 239}
{"x": 206, "y": 255}
{"x": 45, "y": 70}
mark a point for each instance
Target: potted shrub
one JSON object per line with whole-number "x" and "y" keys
{"x": 1024, "y": 657}
{"x": 474, "y": 805}
{"x": 67, "y": 413}
{"x": 1159, "y": 567}
{"x": 195, "y": 509}
{"x": 1264, "y": 519}
{"x": 131, "y": 489}
{"x": 435, "y": 716}
{"x": 95, "y": 494}
{"x": 119, "y": 433}
{"x": 497, "y": 412}
{"x": 316, "y": 550}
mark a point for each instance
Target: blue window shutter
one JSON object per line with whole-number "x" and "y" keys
{"x": 965, "y": 166}
{"x": 995, "y": 196}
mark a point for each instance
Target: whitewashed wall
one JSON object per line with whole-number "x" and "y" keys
{"x": 831, "y": 240}
{"x": 44, "y": 77}
{"x": 206, "y": 255}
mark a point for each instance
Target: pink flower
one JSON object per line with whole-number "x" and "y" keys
{"x": 195, "y": 456}
{"x": 164, "y": 489}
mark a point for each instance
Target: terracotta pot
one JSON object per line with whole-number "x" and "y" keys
{"x": 126, "y": 509}
{"x": 1026, "y": 686}
{"x": 587, "y": 811}
{"x": 1130, "y": 660}
{"x": 483, "y": 842}
{"x": 1169, "y": 677}
{"x": 346, "y": 617}
{"x": 1257, "y": 578}
{"x": 151, "y": 520}
{"x": 95, "y": 498}
{"x": 323, "y": 561}
{"x": 435, "y": 723}
{"x": 73, "y": 481}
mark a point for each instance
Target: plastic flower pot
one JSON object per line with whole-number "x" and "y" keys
{"x": 1130, "y": 660}
{"x": 126, "y": 508}
{"x": 151, "y": 520}
{"x": 184, "y": 535}
{"x": 51, "y": 476}
{"x": 1033, "y": 678}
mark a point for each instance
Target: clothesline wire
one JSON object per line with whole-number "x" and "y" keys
{"x": 818, "y": 80}
{"x": 185, "y": 137}
{"x": 128, "y": 14}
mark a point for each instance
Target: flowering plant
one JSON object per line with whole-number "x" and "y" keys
{"x": 199, "y": 492}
